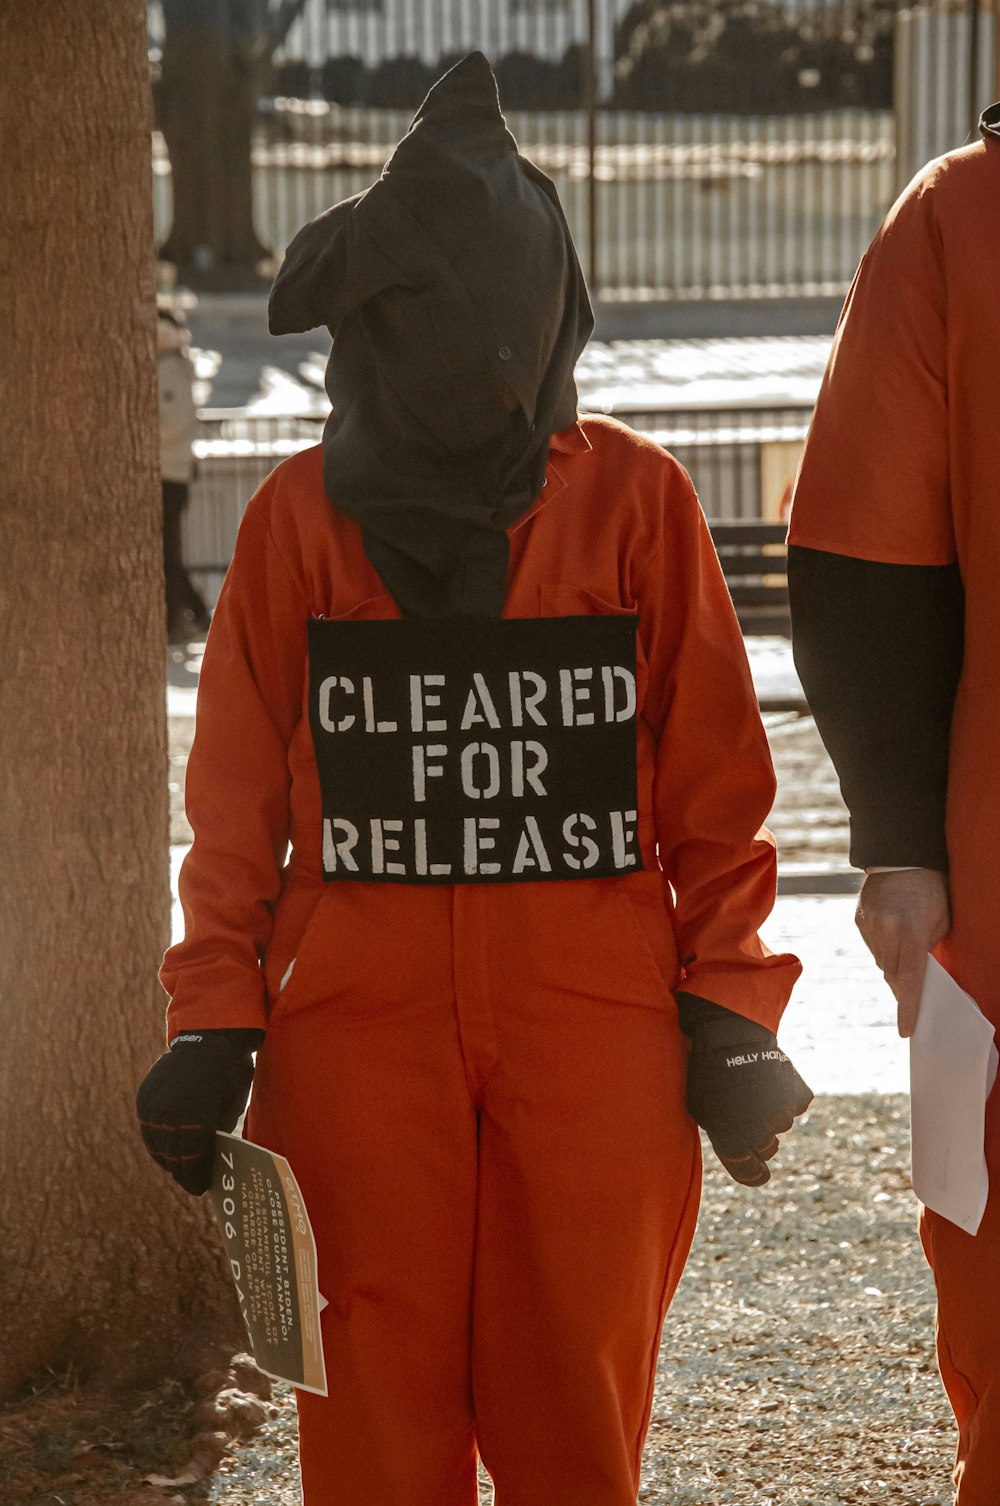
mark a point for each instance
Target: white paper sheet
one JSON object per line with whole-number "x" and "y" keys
{"x": 953, "y": 1066}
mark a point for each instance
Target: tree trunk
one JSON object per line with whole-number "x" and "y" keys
{"x": 208, "y": 106}
{"x": 104, "y": 1264}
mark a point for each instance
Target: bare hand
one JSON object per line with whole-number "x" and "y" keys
{"x": 902, "y": 916}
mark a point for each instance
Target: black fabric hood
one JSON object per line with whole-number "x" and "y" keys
{"x": 458, "y": 310}
{"x": 989, "y": 123}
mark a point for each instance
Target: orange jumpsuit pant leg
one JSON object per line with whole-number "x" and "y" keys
{"x": 361, "y": 1085}
{"x": 481, "y": 1093}
{"x": 965, "y": 1273}
{"x": 589, "y": 1181}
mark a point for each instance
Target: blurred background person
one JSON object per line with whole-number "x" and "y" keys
{"x": 187, "y": 614}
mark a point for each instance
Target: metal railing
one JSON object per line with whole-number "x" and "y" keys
{"x": 947, "y": 71}
{"x": 727, "y": 452}
{"x": 670, "y": 206}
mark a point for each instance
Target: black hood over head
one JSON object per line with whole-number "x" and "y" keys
{"x": 989, "y": 123}
{"x": 458, "y": 310}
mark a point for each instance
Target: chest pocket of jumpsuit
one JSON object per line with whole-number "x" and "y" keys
{"x": 574, "y": 601}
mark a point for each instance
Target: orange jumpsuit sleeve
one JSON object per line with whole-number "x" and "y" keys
{"x": 237, "y": 791}
{"x": 714, "y": 782}
{"x": 875, "y": 590}
{"x": 874, "y": 477}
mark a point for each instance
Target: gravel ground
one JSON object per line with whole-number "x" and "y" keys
{"x": 796, "y": 1369}
{"x": 797, "y": 1364}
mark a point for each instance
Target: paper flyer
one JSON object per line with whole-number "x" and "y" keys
{"x": 953, "y": 1066}
{"x": 272, "y": 1260}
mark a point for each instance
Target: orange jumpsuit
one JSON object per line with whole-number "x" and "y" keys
{"x": 902, "y": 466}
{"x": 481, "y": 1087}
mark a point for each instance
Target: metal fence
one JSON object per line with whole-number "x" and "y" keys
{"x": 947, "y": 70}
{"x": 741, "y": 459}
{"x": 703, "y": 148}
{"x": 234, "y": 452}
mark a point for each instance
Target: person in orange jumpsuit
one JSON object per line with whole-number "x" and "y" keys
{"x": 893, "y": 563}
{"x": 477, "y": 790}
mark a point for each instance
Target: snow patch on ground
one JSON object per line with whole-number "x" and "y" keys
{"x": 773, "y": 669}
{"x": 775, "y": 371}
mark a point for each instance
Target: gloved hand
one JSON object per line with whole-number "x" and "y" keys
{"x": 741, "y": 1087}
{"x": 197, "y": 1087}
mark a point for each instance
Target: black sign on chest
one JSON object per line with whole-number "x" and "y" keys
{"x": 475, "y": 751}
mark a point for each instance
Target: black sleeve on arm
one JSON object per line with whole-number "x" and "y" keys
{"x": 878, "y": 649}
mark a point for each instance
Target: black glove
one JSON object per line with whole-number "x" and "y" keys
{"x": 197, "y": 1087}
{"x": 741, "y": 1087}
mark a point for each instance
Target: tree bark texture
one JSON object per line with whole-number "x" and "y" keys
{"x": 104, "y": 1265}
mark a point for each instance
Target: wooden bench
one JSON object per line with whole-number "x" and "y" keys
{"x": 754, "y": 561}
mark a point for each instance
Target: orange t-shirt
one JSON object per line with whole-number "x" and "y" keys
{"x": 902, "y": 466}
{"x": 903, "y": 445}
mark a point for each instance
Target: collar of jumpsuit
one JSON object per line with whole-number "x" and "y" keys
{"x": 458, "y": 310}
